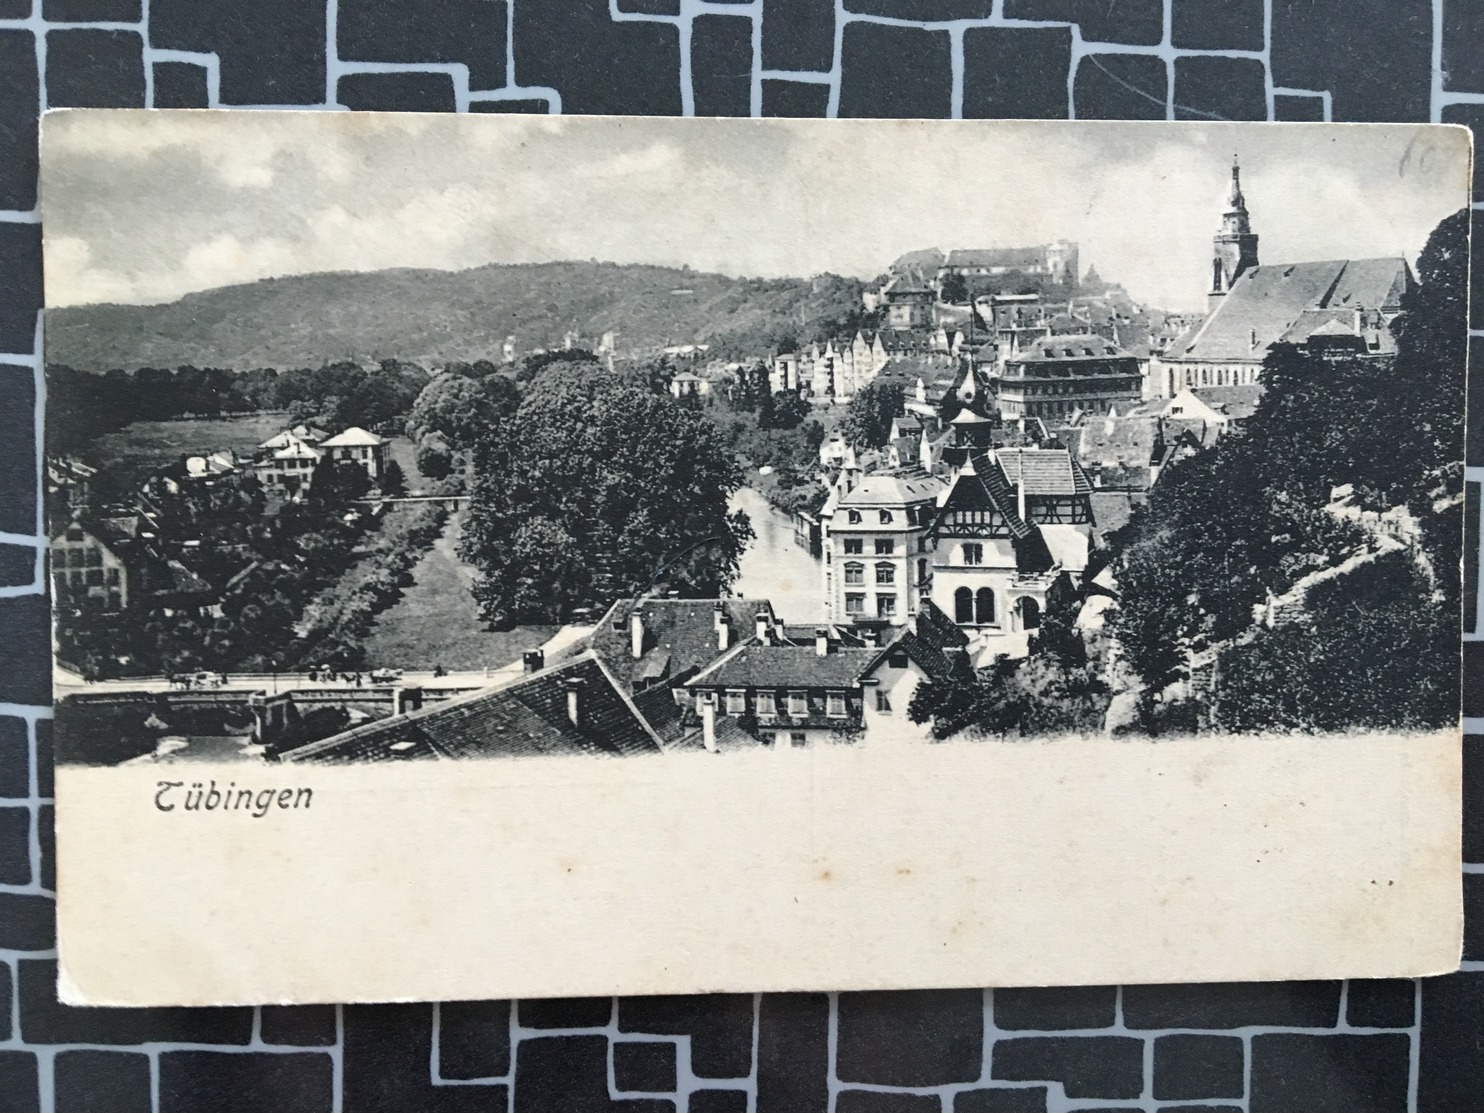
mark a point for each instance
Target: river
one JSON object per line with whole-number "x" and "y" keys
{"x": 775, "y": 568}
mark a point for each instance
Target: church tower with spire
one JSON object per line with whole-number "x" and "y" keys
{"x": 1235, "y": 243}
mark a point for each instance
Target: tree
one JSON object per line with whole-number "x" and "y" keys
{"x": 868, "y": 418}
{"x": 595, "y": 488}
{"x": 954, "y": 289}
{"x": 789, "y": 409}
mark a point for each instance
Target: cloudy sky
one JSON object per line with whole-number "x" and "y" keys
{"x": 148, "y": 206}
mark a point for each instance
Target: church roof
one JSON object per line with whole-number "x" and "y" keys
{"x": 1266, "y": 302}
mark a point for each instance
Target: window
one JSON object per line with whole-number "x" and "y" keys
{"x": 855, "y": 573}
{"x": 853, "y": 517}
{"x": 886, "y": 606}
{"x": 896, "y": 660}
{"x": 798, "y": 703}
{"x": 973, "y": 553}
{"x": 798, "y": 739}
{"x": 885, "y": 546}
{"x": 854, "y": 546}
{"x": 767, "y": 705}
{"x": 855, "y": 604}
{"x": 93, "y": 557}
{"x": 115, "y": 601}
{"x": 886, "y": 573}
{"x": 922, "y": 544}
{"x": 883, "y": 702}
{"x": 113, "y": 576}
{"x": 835, "y": 705}
{"x": 886, "y": 517}
{"x": 963, "y": 606}
{"x": 95, "y": 577}
{"x": 736, "y": 702}
{"x": 984, "y": 606}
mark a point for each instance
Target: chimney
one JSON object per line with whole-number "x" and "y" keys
{"x": 763, "y": 628}
{"x": 533, "y": 660}
{"x": 821, "y": 642}
{"x": 723, "y": 629}
{"x": 574, "y": 700}
{"x": 708, "y": 721}
{"x": 636, "y": 634}
{"x": 406, "y": 699}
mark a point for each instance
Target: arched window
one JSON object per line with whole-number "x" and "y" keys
{"x": 855, "y": 572}
{"x": 1030, "y": 614}
{"x": 886, "y": 573}
{"x": 984, "y": 606}
{"x": 963, "y": 606}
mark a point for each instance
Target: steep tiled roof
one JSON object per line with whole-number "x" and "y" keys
{"x": 753, "y": 665}
{"x": 981, "y": 485}
{"x": 679, "y": 636}
{"x": 1044, "y": 471}
{"x": 1267, "y": 301}
{"x": 931, "y": 640}
{"x": 1081, "y": 345}
{"x": 525, "y": 718}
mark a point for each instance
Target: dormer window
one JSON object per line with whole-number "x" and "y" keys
{"x": 798, "y": 703}
{"x": 736, "y": 701}
{"x": 886, "y": 517}
{"x": 853, "y": 517}
{"x": 835, "y": 705}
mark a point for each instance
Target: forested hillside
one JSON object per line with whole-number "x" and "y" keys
{"x": 433, "y": 316}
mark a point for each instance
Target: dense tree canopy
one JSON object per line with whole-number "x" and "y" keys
{"x": 867, "y": 421}
{"x": 596, "y": 488}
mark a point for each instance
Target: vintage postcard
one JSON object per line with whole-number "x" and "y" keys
{"x": 513, "y": 556}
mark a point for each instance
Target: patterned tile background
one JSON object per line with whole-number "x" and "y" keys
{"x": 1300, "y": 1047}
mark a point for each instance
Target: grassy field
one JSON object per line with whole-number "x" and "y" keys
{"x": 127, "y": 458}
{"x": 436, "y": 623}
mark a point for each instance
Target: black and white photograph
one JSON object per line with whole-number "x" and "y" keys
{"x": 624, "y": 437}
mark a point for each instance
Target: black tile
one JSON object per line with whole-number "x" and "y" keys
{"x": 1463, "y": 31}
{"x": 1001, "y": 1099}
{"x": 1087, "y": 1066}
{"x": 286, "y": 66}
{"x": 505, "y": 107}
{"x": 721, "y": 65}
{"x": 718, "y": 1101}
{"x": 1297, "y": 109}
{"x": 20, "y": 1088}
{"x": 1232, "y": 1005}
{"x": 17, "y": 435}
{"x": 27, "y": 923}
{"x": 228, "y": 1082}
{"x": 474, "y": 1039}
{"x": 719, "y": 1026}
{"x": 25, "y": 650}
{"x": 1380, "y": 1003}
{"x": 646, "y": 1068}
{"x": 1452, "y": 1054}
{"x": 1201, "y": 1108}
{"x": 44, "y": 1019}
{"x": 1473, "y": 790}
{"x": 45, "y": 771}
{"x": 1224, "y": 25}
{"x": 15, "y": 845}
{"x": 20, "y": 298}
{"x": 17, "y": 565}
{"x": 467, "y": 31}
{"x": 1190, "y": 1066}
{"x": 20, "y": 102}
{"x": 561, "y": 1074}
{"x": 1119, "y": 87}
{"x": 15, "y": 9}
{"x": 876, "y": 1101}
{"x": 895, "y": 72}
{"x": 7, "y": 1001}
{"x": 1473, "y": 655}
{"x": 565, "y": 1012}
{"x": 387, "y": 1052}
{"x": 918, "y": 1038}
{"x": 92, "y": 11}
{"x": 1337, "y": 1073}
{"x": 102, "y": 1082}
{"x": 1472, "y": 117}
{"x": 46, "y": 833}
{"x": 1378, "y": 68}
{"x": 798, "y": 35}
{"x": 298, "y": 1025}
{"x": 15, "y": 759}
{"x": 1133, "y": 22}
{"x": 800, "y": 99}
{"x": 1018, "y": 73}
{"x": 181, "y": 85}
{"x": 396, "y": 92}
{"x": 1053, "y": 1008}
{"x": 1473, "y": 917}
{"x": 94, "y": 69}
{"x": 793, "y": 1052}
{"x": 923, "y": 10}
{"x": 649, "y": 7}
{"x": 597, "y": 65}
{"x": 1220, "y": 89}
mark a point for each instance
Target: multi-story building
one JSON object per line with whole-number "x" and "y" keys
{"x": 877, "y": 564}
{"x": 1061, "y": 375}
{"x": 358, "y": 446}
{"x": 984, "y": 269}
